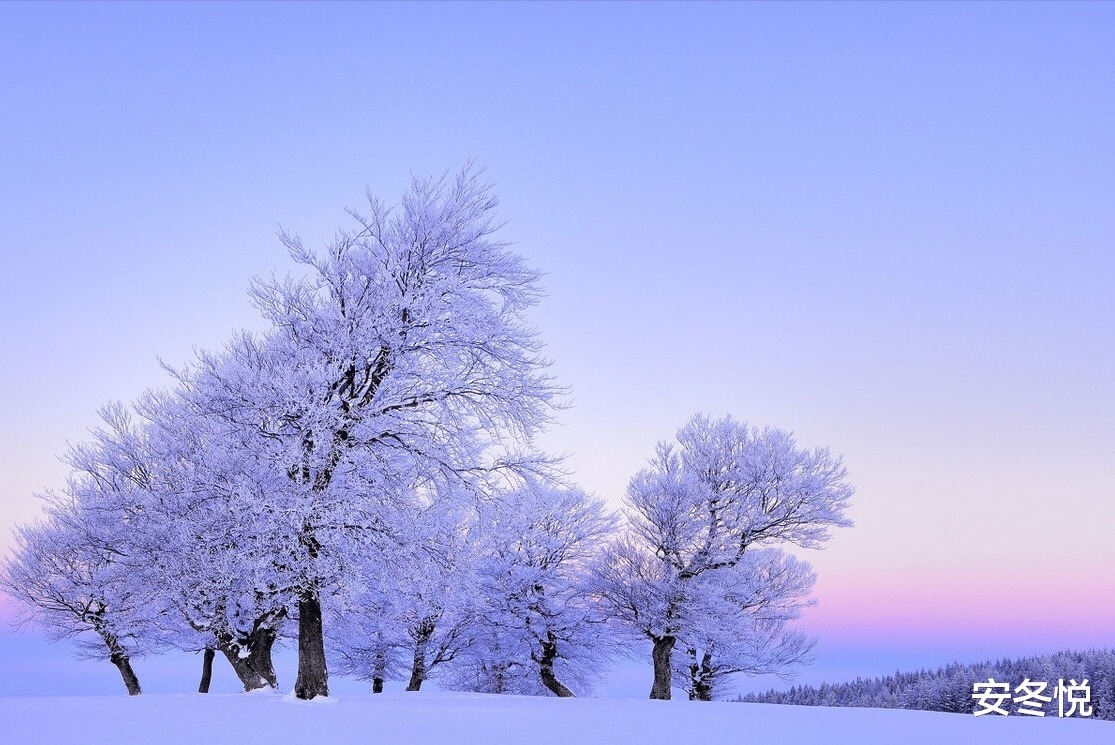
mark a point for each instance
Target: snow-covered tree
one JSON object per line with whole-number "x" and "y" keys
{"x": 365, "y": 630}
{"x": 65, "y": 583}
{"x": 437, "y": 589}
{"x": 75, "y": 572}
{"x": 740, "y": 624}
{"x": 411, "y": 611}
{"x": 537, "y": 625}
{"x": 152, "y": 505}
{"x": 724, "y": 489}
{"x": 402, "y": 355}
{"x": 215, "y": 567}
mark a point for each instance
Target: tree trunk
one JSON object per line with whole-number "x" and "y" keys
{"x": 700, "y": 676}
{"x": 249, "y": 678}
{"x": 660, "y": 656}
{"x": 313, "y": 677}
{"x": 251, "y": 658}
{"x": 206, "y": 670}
{"x": 124, "y": 665}
{"x": 704, "y": 689}
{"x": 379, "y": 668}
{"x": 259, "y": 654}
{"x": 418, "y": 667}
{"x": 118, "y": 657}
{"x": 546, "y": 668}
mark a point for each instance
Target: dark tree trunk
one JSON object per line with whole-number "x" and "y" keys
{"x": 251, "y": 680}
{"x": 251, "y": 658}
{"x": 118, "y": 657}
{"x": 546, "y": 668}
{"x": 206, "y": 670}
{"x": 418, "y": 667}
{"x": 660, "y": 656}
{"x": 259, "y": 654}
{"x": 124, "y": 665}
{"x": 694, "y": 673}
{"x": 379, "y": 669}
{"x": 313, "y": 677}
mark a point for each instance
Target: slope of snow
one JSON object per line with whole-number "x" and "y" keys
{"x": 472, "y": 718}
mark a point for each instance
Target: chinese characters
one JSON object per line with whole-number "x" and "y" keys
{"x": 992, "y": 697}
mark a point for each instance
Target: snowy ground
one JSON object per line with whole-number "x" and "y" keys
{"x": 424, "y": 718}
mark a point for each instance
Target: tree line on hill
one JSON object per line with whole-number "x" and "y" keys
{"x": 949, "y": 688}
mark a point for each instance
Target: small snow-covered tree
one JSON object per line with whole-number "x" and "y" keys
{"x": 726, "y": 488}
{"x": 366, "y": 632}
{"x": 537, "y": 624}
{"x": 408, "y": 605}
{"x": 76, "y": 572}
{"x": 363, "y": 630}
{"x": 66, "y": 583}
{"x": 437, "y": 590}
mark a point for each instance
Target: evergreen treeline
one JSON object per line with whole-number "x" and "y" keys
{"x": 949, "y": 688}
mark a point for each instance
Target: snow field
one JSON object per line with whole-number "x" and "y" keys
{"x": 429, "y": 719}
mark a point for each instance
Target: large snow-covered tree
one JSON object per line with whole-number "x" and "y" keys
{"x": 401, "y": 354}
{"x": 725, "y": 488}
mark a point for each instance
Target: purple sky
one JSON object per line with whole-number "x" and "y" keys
{"x": 887, "y": 227}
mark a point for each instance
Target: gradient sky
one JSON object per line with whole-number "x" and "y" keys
{"x": 887, "y": 227}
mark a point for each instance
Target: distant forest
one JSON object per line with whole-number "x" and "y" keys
{"x": 949, "y": 688}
